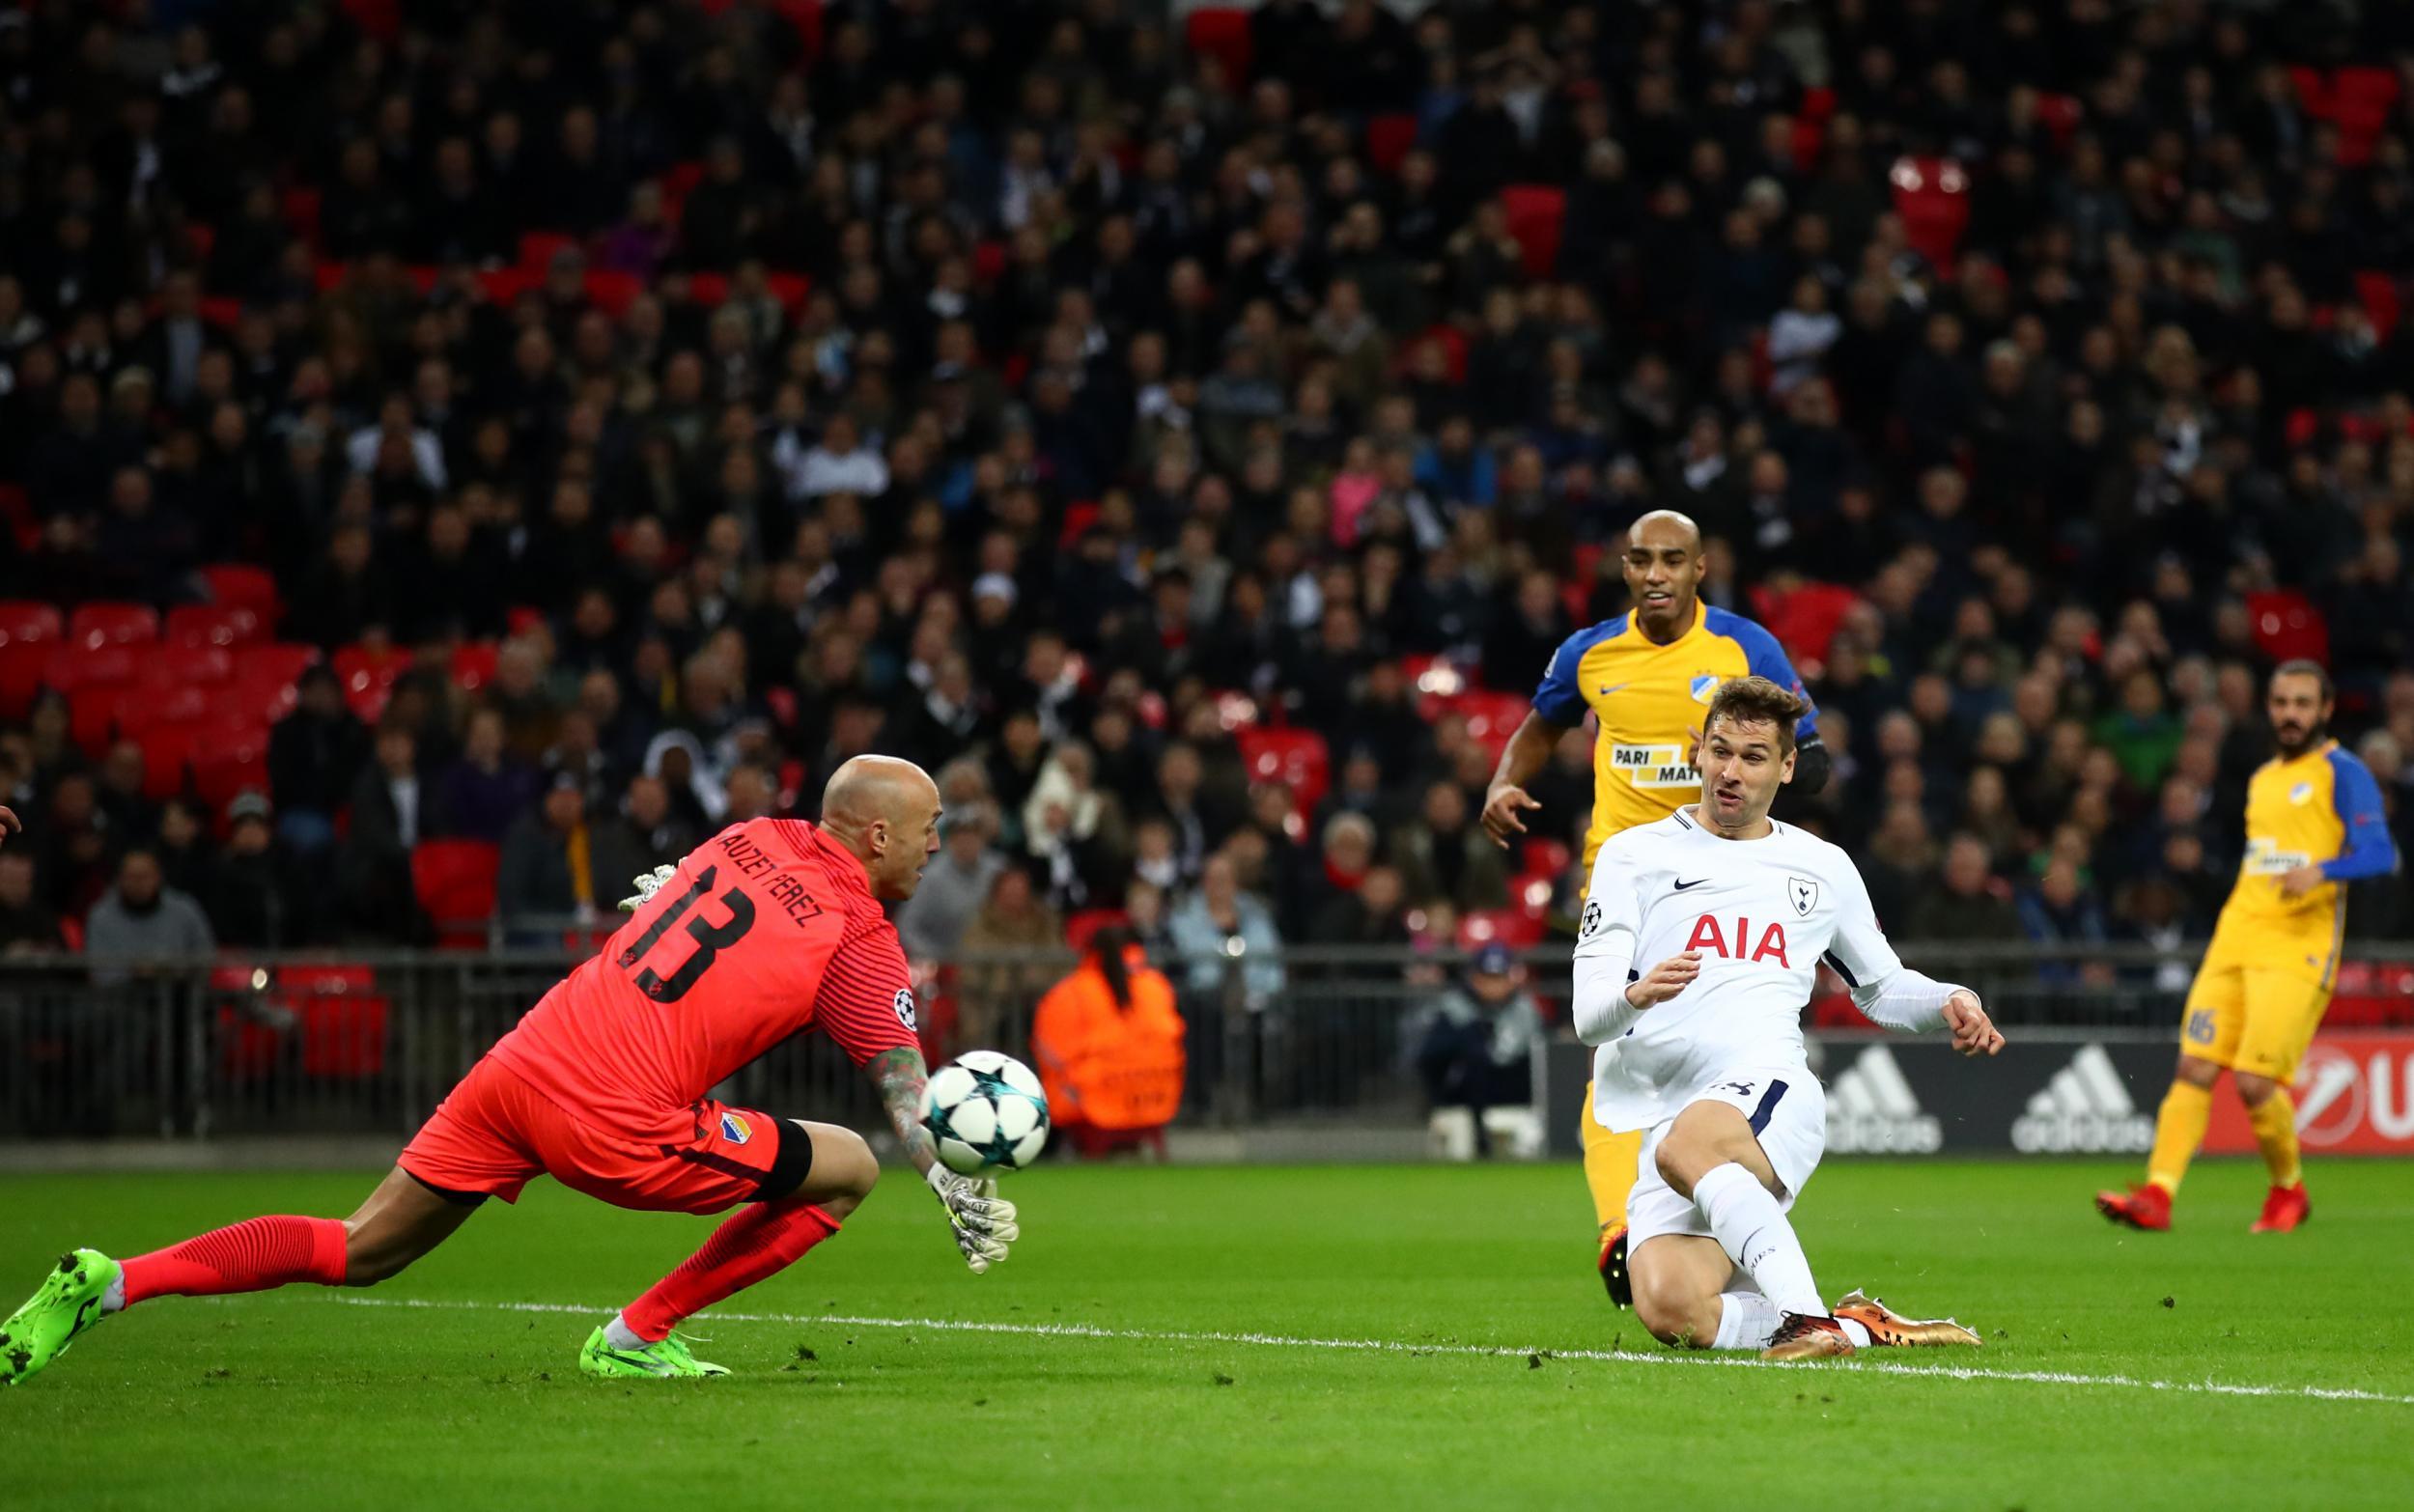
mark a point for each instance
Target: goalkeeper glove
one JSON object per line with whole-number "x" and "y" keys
{"x": 982, "y": 1220}
{"x": 647, "y": 887}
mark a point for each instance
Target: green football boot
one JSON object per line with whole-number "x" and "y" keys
{"x": 665, "y": 1361}
{"x": 66, "y": 1304}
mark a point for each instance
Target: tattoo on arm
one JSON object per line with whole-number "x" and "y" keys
{"x": 899, "y": 1076}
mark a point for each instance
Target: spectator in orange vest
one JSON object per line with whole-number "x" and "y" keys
{"x": 1108, "y": 1043}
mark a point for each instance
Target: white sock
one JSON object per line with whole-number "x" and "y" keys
{"x": 1855, "y": 1331}
{"x": 1747, "y": 1320}
{"x": 114, "y": 1299}
{"x": 620, "y": 1336}
{"x": 1752, "y": 1228}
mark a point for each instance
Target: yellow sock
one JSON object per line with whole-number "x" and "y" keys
{"x": 1608, "y": 1166}
{"x": 2177, "y": 1131}
{"x": 2275, "y": 1130}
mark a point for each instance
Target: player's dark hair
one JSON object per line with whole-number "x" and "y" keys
{"x": 1753, "y": 700}
{"x": 1109, "y": 945}
{"x": 2303, "y": 666}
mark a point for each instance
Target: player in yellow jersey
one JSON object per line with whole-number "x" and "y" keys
{"x": 2313, "y": 821}
{"x": 1649, "y": 676}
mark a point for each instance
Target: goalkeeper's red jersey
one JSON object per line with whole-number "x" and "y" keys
{"x": 769, "y": 929}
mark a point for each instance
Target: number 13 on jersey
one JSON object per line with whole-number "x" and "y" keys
{"x": 711, "y": 938}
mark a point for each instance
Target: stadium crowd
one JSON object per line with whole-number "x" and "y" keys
{"x": 642, "y": 408}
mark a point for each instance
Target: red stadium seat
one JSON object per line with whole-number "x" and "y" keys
{"x": 381, "y": 19}
{"x": 1388, "y": 139}
{"x": 2376, "y": 290}
{"x": 2372, "y": 995}
{"x": 228, "y": 759}
{"x": 368, "y": 678}
{"x": 263, "y": 689}
{"x": 17, "y": 523}
{"x": 167, "y": 751}
{"x": 454, "y": 884}
{"x": 108, "y": 624}
{"x": 1222, "y": 32}
{"x": 92, "y": 715}
{"x": 1932, "y": 195}
{"x": 1491, "y": 717}
{"x": 299, "y": 206}
{"x": 342, "y": 1017}
{"x": 1297, "y": 757}
{"x": 473, "y": 665}
{"x": 2286, "y": 626}
{"x": 283, "y": 661}
{"x": 804, "y": 17}
{"x": 613, "y": 293}
{"x": 182, "y": 666}
{"x": 149, "y": 704}
{"x": 503, "y": 286}
{"x": 70, "y": 666}
{"x": 1536, "y": 213}
{"x": 679, "y": 181}
{"x": 791, "y": 289}
{"x": 23, "y": 667}
{"x": 23, "y": 621}
{"x": 1805, "y": 621}
{"x": 537, "y": 248}
{"x": 1546, "y": 858}
{"x": 212, "y": 625}
{"x": 1510, "y": 927}
{"x": 1079, "y": 515}
{"x": 2313, "y": 90}
{"x": 1436, "y": 680}
{"x": 2061, "y": 115}
{"x": 242, "y": 583}
{"x": 2364, "y": 97}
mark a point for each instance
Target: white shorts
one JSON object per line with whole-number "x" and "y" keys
{"x": 1788, "y": 1109}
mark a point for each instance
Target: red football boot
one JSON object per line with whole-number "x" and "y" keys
{"x": 2284, "y": 1210}
{"x": 1806, "y": 1336}
{"x": 1613, "y": 1268}
{"x": 2146, "y": 1207}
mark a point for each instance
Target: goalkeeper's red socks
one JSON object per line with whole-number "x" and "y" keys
{"x": 254, "y": 1256}
{"x": 758, "y": 1241}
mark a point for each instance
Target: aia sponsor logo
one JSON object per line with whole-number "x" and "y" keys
{"x": 1741, "y": 944}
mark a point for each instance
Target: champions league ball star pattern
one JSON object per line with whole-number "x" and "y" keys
{"x": 986, "y": 1112}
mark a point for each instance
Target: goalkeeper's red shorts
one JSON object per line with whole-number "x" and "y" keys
{"x": 495, "y": 1133}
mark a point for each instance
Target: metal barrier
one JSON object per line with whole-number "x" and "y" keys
{"x": 369, "y": 1044}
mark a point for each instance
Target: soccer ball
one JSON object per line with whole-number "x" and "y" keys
{"x": 986, "y": 1112}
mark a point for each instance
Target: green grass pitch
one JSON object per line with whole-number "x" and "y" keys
{"x": 1148, "y": 1350}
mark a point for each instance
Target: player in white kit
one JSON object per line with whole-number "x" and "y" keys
{"x": 1704, "y": 1049}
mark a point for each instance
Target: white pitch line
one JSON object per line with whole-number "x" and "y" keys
{"x": 1082, "y": 1331}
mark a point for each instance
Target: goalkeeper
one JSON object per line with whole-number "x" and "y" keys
{"x": 771, "y": 928}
